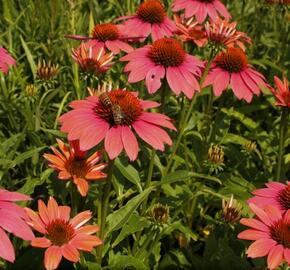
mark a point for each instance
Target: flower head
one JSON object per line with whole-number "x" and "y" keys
{"x": 282, "y": 92}
{"x": 231, "y": 67}
{"x": 223, "y": 33}
{"x": 47, "y": 71}
{"x": 13, "y": 220}
{"x": 275, "y": 193}
{"x": 231, "y": 210}
{"x": 201, "y": 9}
{"x": 112, "y": 116}
{"x": 150, "y": 18}
{"x": 73, "y": 164}
{"x": 92, "y": 58}
{"x": 6, "y": 60}
{"x": 62, "y": 236}
{"x": 164, "y": 56}
{"x": 108, "y": 35}
{"x": 271, "y": 232}
{"x": 190, "y": 31}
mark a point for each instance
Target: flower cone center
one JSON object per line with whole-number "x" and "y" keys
{"x": 59, "y": 232}
{"x": 232, "y": 60}
{"x": 119, "y": 107}
{"x": 91, "y": 65}
{"x": 77, "y": 167}
{"x": 284, "y": 198}
{"x": 151, "y": 11}
{"x": 105, "y": 31}
{"x": 280, "y": 232}
{"x": 167, "y": 52}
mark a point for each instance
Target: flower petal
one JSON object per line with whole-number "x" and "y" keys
{"x": 52, "y": 257}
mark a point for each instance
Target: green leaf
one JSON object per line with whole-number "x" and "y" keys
{"x": 130, "y": 173}
{"x": 121, "y": 262}
{"x": 29, "y": 57}
{"x": 134, "y": 224}
{"x": 117, "y": 219}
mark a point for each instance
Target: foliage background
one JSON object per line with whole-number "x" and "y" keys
{"x": 35, "y": 30}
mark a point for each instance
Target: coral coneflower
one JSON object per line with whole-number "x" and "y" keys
{"x": 73, "y": 164}
{"x": 231, "y": 67}
{"x": 13, "y": 220}
{"x": 270, "y": 231}
{"x": 62, "y": 236}
{"x": 165, "y": 57}
{"x": 224, "y": 33}
{"x": 6, "y": 60}
{"x": 112, "y": 117}
{"x": 201, "y": 9}
{"x": 92, "y": 58}
{"x": 190, "y": 31}
{"x": 150, "y": 18}
{"x": 282, "y": 92}
{"x": 109, "y": 35}
{"x": 276, "y": 194}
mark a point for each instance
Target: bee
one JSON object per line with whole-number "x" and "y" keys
{"x": 117, "y": 114}
{"x": 105, "y": 100}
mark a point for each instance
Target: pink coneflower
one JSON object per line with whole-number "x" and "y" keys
{"x": 13, "y": 220}
{"x": 231, "y": 67}
{"x": 73, "y": 164}
{"x": 270, "y": 231}
{"x": 224, "y": 33}
{"x": 164, "y": 56}
{"x": 109, "y": 35}
{"x": 62, "y": 236}
{"x": 282, "y": 92}
{"x": 92, "y": 58}
{"x": 276, "y": 194}
{"x": 112, "y": 117}
{"x": 190, "y": 31}
{"x": 6, "y": 60}
{"x": 151, "y": 18}
{"x": 201, "y": 9}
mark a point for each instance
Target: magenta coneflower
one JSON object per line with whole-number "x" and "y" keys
{"x": 282, "y": 92}
{"x": 62, "y": 236}
{"x": 13, "y": 220}
{"x": 111, "y": 117}
{"x": 109, "y": 35}
{"x": 231, "y": 67}
{"x": 276, "y": 194}
{"x": 190, "y": 31}
{"x": 92, "y": 58}
{"x": 73, "y": 164}
{"x": 201, "y": 9}
{"x": 165, "y": 57}
{"x": 224, "y": 33}
{"x": 270, "y": 231}
{"x": 6, "y": 60}
{"x": 150, "y": 18}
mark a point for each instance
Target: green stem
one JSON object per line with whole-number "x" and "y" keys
{"x": 187, "y": 117}
{"x": 283, "y": 128}
{"x": 104, "y": 205}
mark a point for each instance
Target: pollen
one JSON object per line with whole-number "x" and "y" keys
{"x": 123, "y": 109}
{"x": 105, "y": 31}
{"x": 232, "y": 60}
{"x": 151, "y": 11}
{"x": 284, "y": 198}
{"x": 59, "y": 232}
{"x": 167, "y": 52}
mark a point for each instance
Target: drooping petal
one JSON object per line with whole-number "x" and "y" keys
{"x": 129, "y": 142}
{"x": 70, "y": 252}
{"x": 275, "y": 257}
{"x": 52, "y": 257}
{"x": 113, "y": 142}
{"x": 260, "y": 248}
{"x": 6, "y": 248}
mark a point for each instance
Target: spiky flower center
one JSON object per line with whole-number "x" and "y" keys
{"x": 280, "y": 232}
{"x": 105, "y": 31}
{"x": 119, "y": 107}
{"x": 59, "y": 232}
{"x": 167, "y": 52}
{"x": 151, "y": 11}
{"x": 91, "y": 65}
{"x": 284, "y": 198}
{"x": 77, "y": 167}
{"x": 232, "y": 60}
